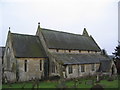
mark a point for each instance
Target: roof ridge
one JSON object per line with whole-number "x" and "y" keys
{"x": 23, "y": 34}
{"x": 62, "y": 32}
{"x": 84, "y": 43}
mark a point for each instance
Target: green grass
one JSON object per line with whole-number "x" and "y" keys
{"x": 68, "y": 84}
{"x": 43, "y": 84}
{"x": 17, "y": 85}
{"x": 79, "y": 85}
{"x": 47, "y": 84}
{"x": 109, "y": 84}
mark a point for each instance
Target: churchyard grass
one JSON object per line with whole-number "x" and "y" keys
{"x": 80, "y": 83}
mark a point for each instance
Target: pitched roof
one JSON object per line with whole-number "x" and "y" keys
{"x": 79, "y": 58}
{"x": 2, "y": 49}
{"x": 105, "y": 65}
{"x": 27, "y": 46}
{"x": 64, "y": 40}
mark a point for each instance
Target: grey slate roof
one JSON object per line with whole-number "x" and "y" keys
{"x": 27, "y": 46}
{"x": 63, "y": 40}
{"x": 66, "y": 59}
{"x": 105, "y": 66}
{"x": 2, "y": 49}
{"x": 79, "y": 58}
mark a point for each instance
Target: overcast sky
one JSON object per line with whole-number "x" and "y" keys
{"x": 99, "y": 17}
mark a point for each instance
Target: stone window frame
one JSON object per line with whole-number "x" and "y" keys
{"x": 92, "y": 67}
{"x": 88, "y": 51}
{"x": 57, "y": 50}
{"x": 69, "y": 51}
{"x": 70, "y": 69}
{"x": 25, "y": 65}
{"x": 95, "y": 51}
{"x": 8, "y": 58}
{"x": 41, "y": 65}
{"x": 83, "y": 68}
{"x": 79, "y": 51}
{"x": 8, "y": 50}
{"x": 53, "y": 67}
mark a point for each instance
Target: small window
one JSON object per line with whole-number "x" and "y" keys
{"x": 82, "y": 68}
{"x": 8, "y": 58}
{"x": 53, "y": 67}
{"x": 25, "y": 66}
{"x": 93, "y": 67}
{"x": 8, "y": 50}
{"x": 79, "y": 51}
{"x": 70, "y": 69}
{"x": 40, "y": 65}
{"x": 69, "y": 50}
{"x": 57, "y": 50}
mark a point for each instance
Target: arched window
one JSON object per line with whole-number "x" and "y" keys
{"x": 25, "y": 65}
{"x": 8, "y": 50}
{"x": 53, "y": 67}
{"x": 40, "y": 65}
{"x": 93, "y": 67}
{"x": 8, "y": 58}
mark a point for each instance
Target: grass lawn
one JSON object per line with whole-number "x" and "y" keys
{"x": 43, "y": 84}
{"x": 68, "y": 84}
{"x": 110, "y": 84}
{"x": 104, "y": 83}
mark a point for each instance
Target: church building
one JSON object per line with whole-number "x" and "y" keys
{"x": 53, "y": 53}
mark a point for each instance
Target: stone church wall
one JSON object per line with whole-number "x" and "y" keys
{"x": 9, "y": 64}
{"x": 77, "y": 70}
{"x": 33, "y": 69}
